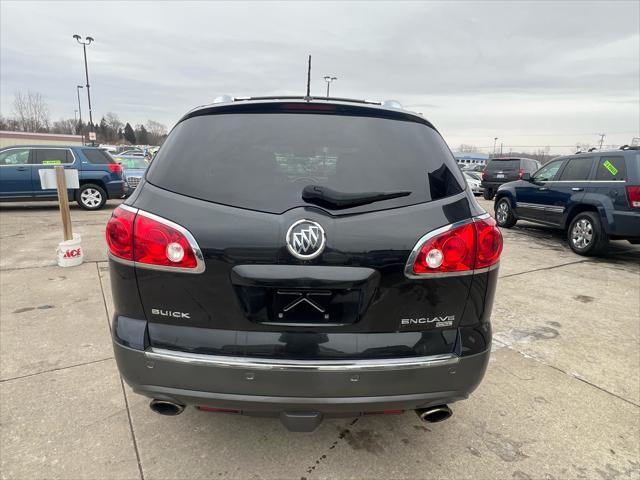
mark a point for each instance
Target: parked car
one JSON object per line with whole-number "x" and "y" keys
{"x": 472, "y": 167}
{"x": 593, "y": 196}
{"x": 275, "y": 262}
{"x": 502, "y": 170}
{"x": 133, "y": 168}
{"x": 474, "y": 182}
{"x": 100, "y": 176}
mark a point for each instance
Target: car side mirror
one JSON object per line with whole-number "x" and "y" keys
{"x": 526, "y": 176}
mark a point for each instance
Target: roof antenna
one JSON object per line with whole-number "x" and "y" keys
{"x": 308, "y": 97}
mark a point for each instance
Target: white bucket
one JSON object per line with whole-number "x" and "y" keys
{"x": 70, "y": 252}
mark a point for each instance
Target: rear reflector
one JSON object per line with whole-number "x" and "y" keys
{"x": 474, "y": 245}
{"x": 151, "y": 241}
{"x": 205, "y": 408}
{"x": 633, "y": 193}
{"x": 384, "y": 412}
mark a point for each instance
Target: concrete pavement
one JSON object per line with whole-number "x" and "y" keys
{"x": 561, "y": 398}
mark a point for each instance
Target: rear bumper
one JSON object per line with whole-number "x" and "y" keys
{"x": 117, "y": 189}
{"x": 623, "y": 224}
{"x": 329, "y": 387}
{"x": 492, "y": 185}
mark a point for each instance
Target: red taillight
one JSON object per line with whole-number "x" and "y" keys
{"x": 471, "y": 246}
{"x": 451, "y": 251}
{"x": 488, "y": 242}
{"x": 520, "y": 173}
{"x": 115, "y": 167}
{"x": 484, "y": 175}
{"x": 633, "y": 193}
{"x": 157, "y": 243}
{"x": 149, "y": 240}
{"x": 120, "y": 233}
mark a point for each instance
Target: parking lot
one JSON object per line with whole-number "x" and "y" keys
{"x": 561, "y": 398}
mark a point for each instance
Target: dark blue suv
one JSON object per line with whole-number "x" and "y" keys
{"x": 100, "y": 176}
{"x": 594, "y": 196}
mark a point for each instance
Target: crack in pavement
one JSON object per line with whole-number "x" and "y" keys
{"x": 56, "y": 369}
{"x": 343, "y": 433}
{"x": 545, "y": 268}
{"x": 558, "y": 369}
{"x": 124, "y": 393}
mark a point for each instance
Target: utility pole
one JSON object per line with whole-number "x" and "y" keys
{"x": 602, "y": 135}
{"x": 84, "y": 44}
{"x": 495, "y": 139}
{"x": 329, "y": 79}
{"x": 501, "y": 145}
{"x": 78, "y": 87}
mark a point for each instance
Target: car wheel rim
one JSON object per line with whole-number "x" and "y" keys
{"x": 91, "y": 197}
{"x": 582, "y": 233}
{"x": 503, "y": 212}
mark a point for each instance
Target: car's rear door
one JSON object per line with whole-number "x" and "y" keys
{"x": 48, "y": 158}
{"x": 568, "y": 189}
{"x": 235, "y": 181}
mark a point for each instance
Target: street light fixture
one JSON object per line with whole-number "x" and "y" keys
{"x": 78, "y": 87}
{"x": 329, "y": 79}
{"x": 84, "y": 43}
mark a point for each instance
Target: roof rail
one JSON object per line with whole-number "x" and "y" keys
{"x": 297, "y": 97}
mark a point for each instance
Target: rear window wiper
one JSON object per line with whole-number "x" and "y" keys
{"x": 336, "y": 200}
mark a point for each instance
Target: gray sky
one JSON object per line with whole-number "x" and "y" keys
{"x": 531, "y": 73}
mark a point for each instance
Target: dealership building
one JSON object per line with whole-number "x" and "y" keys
{"x": 9, "y": 139}
{"x": 471, "y": 158}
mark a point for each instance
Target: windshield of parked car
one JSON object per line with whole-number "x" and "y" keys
{"x": 132, "y": 162}
{"x": 263, "y": 161}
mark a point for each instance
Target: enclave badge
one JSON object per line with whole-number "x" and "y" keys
{"x": 305, "y": 239}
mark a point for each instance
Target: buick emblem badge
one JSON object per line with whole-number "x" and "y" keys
{"x": 305, "y": 239}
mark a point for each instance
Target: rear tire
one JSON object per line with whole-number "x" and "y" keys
{"x": 488, "y": 194}
{"x": 505, "y": 217}
{"x": 586, "y": 235}
{"x": 91, "y": 197}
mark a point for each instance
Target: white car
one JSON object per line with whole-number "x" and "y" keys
{"x": 474, "y": 182}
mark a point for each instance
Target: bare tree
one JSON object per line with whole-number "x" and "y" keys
{"x": 114, "y": 123}
{"x": 156, "y": 132}
{"x": 464, "y": 148}
{"x": 65, "y": 126}
{"x": 31, "y": 111}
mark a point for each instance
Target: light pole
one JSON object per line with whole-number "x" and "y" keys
{"x": 84, "y": 44}
{"x": 78, "y": 87}
{"x": 495, "y": 139}
{"x": 329, "y": 79}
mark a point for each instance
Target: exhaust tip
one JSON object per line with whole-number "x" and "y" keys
{"x": 164, "y": 407}
{"x": 436, "y": 414}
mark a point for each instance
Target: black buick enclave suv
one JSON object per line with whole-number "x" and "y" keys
{"x": 303, "y": 258}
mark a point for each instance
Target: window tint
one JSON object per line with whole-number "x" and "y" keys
{"x": 498, "y": 164}
{"x": 263, "y": 161}
{"x": 97, "y": 156}
{"x": 52, "y": 156}
{"x": 611, "y": 168}
{"x": 15, "y": 157}
{"x": 547, "y": 172}
{"x": 577, "y": 169}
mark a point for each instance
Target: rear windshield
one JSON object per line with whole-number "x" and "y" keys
{"x": 499, "y": 164}
{"x": 97, "y": 156}
{"x": 263, "y": 161}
